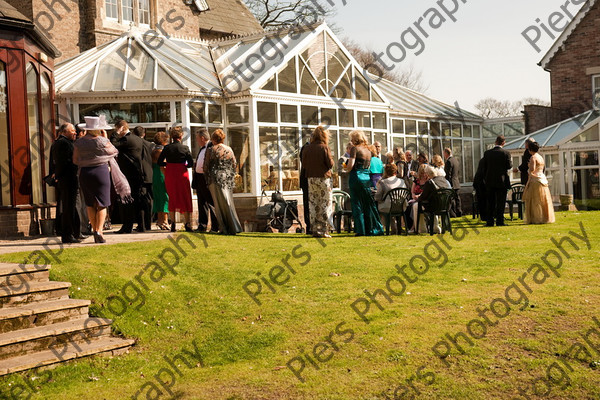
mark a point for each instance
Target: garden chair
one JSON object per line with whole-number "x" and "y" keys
{"x": 516, "y": 197}
{"x": 439, "y": 205}
{"x": 399, "y": 198}
{"x": 341, "y": 200}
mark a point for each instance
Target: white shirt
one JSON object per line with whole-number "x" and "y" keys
{"x": 200, "y": 161}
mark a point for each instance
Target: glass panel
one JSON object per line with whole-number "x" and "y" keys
{"x": 411, "y": 144}
{"x": 215, "y": 114}
{"x": 269, "y": 157}
{"x": 552, "y": 161}
{"x": 467, "y": 131}
{"x": 446, "y": 130}
{"x": 375, "y": 97}
{"x": 379, "y": 120}
{"x": 361, "y": 86}
{"x": 35, "y": 165}
{"x": 177, "y": 113}
{"x": 434, "y": 129}
{"x": 411, "y": 127}
{"x": 590, "y": 135}
{"x": 287, "y": 78}
{"x": 514, "y": 129}
{"x": 458, "y": 153}
{"x": 436, "y": 147}
{"x": 308, "y": 85}
{"x": 344, "y": 89}
{"x": 289, "y": 113}
{"x": 446, "y": 143}
{"x": 333, "y": 146}
{"x": 476, "y": 131}
{"x": 267, "y": 112}
{"x": 469, "y": 173}
{"x": 131, "y": 112}
{"x": 336, "y": 61}
{"x": 306, "y": 134}
{"x": 239, "y": 141}
{"x": 347, "y": 118}
{"x": 492, "y": 130}
{"x": 237, "y": 113}
{"x": 382, "y": 139}
{"x": 583, "y": 158}
{"x": 270, "y": 85}
{"x": 144, "y": 6}
{"x": 48, "y": 131}
{"x": 423, "y": 128}
{"x": 328, "y": 117}
{"x": 585, "y": 189}
{"x": 111, "y": 9}
{"x": 197, "y": 112}
{"x": 111, "y": 73}
{"x": 364, "y": 119}
{"x": 165, "y": 82}
{"x": 290, "y": 159}
{"x": 398, "y": 142}
{"x": 476, "y": 153}
{"x": 310, "y": 115}
{"x": 456, "y": 130}
{"x": 4, "y": 145}
{"x": 314, "y": 56}
{"x": 398, "y": 126}
{"x": 127, "y": 10}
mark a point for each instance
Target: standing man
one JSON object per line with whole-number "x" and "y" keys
{"x": 452, "y": 169}
{"x": 496, "y": 163}
{"x": 411, "y": 167}
{"x": 378, "y": 150}
{"x": 205, "y": 200}
{"x": 147, "y": 174}
{"x": 524, "y": 167}
{"x": 65, "y": 173}
{"x": 130, "y": 162}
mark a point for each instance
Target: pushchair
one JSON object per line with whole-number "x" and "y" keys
{"x": 278, "y": 214}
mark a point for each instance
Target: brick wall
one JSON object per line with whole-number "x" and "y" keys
{"x": 571, "y": 84}
{"x": 15, "y": 223}
{"x": 538, "y": 117}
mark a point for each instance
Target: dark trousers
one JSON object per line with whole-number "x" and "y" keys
{"x": 496, "y": 202}
{"x": 456, "y": 206}
{"x": 206, "y": 206}
{"x": 69, "y": 217}
{"x": 131, "y": 212}
{"x": 305, "y": 201}
{"x": 482, "y": 203}
{"x": 145, "y": 208}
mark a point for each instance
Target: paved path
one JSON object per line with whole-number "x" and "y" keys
{"x": 53, "y": 242}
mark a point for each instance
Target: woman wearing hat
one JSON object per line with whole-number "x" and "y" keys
{"x": 93, "y": 154}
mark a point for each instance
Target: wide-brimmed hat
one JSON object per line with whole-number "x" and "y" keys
{"x": 95, "y": 124}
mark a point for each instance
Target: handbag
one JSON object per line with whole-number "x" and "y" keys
{"x": 50, "y": 180}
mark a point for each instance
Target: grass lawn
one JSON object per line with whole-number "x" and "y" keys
{"x": 309, "y": 320}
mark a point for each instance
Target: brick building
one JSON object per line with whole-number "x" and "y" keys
{"x": 76, "y": 26}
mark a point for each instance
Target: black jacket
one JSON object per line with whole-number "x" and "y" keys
{"x": 496, "y": 163}
{"x": 147, "y": 172}
{"x": 452, "y": 169}
{"x": 62, "y": 160}
{"x": 524, "y": 167}
{"x": 129, "y": 159}
{"x": 196, "y": 176}
{"x": 431, "y": 186}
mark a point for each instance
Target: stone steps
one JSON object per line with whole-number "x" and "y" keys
{"x": 41, "y": 326}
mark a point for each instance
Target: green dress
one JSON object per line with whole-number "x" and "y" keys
{"x": 161, "y": 198}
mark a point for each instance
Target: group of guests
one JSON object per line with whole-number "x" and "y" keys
{"x": 145, "y": 178}
{"x": 368, "y": 176}
{"x": 492, "y": 183}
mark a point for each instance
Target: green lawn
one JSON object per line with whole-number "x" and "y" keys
{"x": 309, "y": 320}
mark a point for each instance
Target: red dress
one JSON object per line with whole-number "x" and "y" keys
{"x": 178, "y": 159}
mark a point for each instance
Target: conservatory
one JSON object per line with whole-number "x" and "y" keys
{"x": 570, "y": 149}
{"x": 268, "y": 91}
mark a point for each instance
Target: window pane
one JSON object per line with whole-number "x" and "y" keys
{"x": 270, "y": 85}
{"x": 468, "y": 161}
{"x": 364, "y": 119}
{"x": 467, "y": 131}
{"x": 287, "y": 78}
{"x": 127, "y": 10}
{"x": 328, "y": 116}
{"x": 344, "y": 89}
{"x": 4, "y": 149}
{"x": 34, "y": 136}
{"x": 514, "y": 129}
{"x": 314, "y": 57}
{"x": 456, "y": 130}
{"x": 336, "y": 61}
{"x": 267, "y": 112}
{"x": 215, "y": 114}
{"x": 197, "y": 112}
{"x": 141, "y": 70}
{"x": 446, "y": 130}
{"x": 361, "y": 86}
{"x": 310, "y": 115}
{"x": 48, "y": 131}
{"x": 423, "y": 128}
{"x": 398, "y": 126}
{"x": 411, "y": 127}
{"x": 131, "y": 112}
{"x": 382, "y": 139}
{"x": 583, "y": 158}
{"x": 476, "y": 153}
{"x": 398, "y": 142}
{"x": 458, "y": 153}
{"x": 237, "y": 113}
{"x": 111, "y": 9}
{"x": 411, "y": 144}
{"x": 289, "y": 113}
{"x": 590, "y": 135}
{"x": 269, "y": 158}
{"x": 436, "y": 147}
{"x": 111, "y": 73}
{"x": 239, "y": 141}
{"x": 434, "y": 129}
{"x": 290, "y": 159}
{"x": 476, "y": 131}
{"x": 379, "y": 120}
{"x": 585, "y": 188}
{"x": 333, "y": 146}
{"x": 347, "y": 118}
{"x": 144, "y": 11}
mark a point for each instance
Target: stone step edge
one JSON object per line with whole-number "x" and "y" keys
{"x": 38, "y": 332}
{"x": 14, "y": 269}
{"x": 47, "y": 357}
{"x": 41, "y": 307}
{"x": 34, "y": 287}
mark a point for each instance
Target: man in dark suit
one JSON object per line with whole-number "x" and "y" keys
{"x": 496, "y": 163}
{"x": 130, "y": 162}
{"x": 452, "y": 169}
{"x": 147, "y": 174}
{"x": 65, "y": 173}
{"x": 411, "y": 167}
{"x": 205, "y": 201}
{"x": 524, "y": 167}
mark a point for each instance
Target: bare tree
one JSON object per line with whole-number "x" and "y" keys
{"x": 494, "y": 108}
{"x": 282, "y": 13}
{"x": 408, "y": 77}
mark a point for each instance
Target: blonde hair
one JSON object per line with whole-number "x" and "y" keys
{"x": 400, "y": 153}
{"x": 422, "y": 173}
{"x": 372, "y": 150}
{"x": 358, "y": 138}
{"x": 320, "y": 135}
{"x": 437, "y": 161}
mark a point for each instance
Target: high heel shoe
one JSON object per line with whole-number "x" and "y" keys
{"x": 98, "y": 238}
{"x": 188, "y": 228}
{"x": 173, "y": 227}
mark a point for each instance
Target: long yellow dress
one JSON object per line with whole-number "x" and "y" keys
{"x": 539, "y": 208}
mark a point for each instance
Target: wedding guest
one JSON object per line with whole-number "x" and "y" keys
{"x": 401, "y": 163}
{"x": 388, "y": 182}
{"x": 378, "y": 154}
{"x": 433, "y": 183}
{"x": 539, "y": 208}
{"x": 344, "y": 175}
{"x": 479, "y": 187}
{"x": 411, "y": 167}
{"x": 422, "y": 159}
{"x": 438, "y": 165}
{"x": 177, "y": 158}
{"x": 219, "y": 171}
{"x": 95, "y": 156}
{"x": 146, "y": 194}
{"x": 160, "y": 205}
{"x": 206, "y": 205}
{"x": 524, "y": 167}
{"x": 389, "y": 158}
{"x": 416, "y": 190}
{"x": 376, "y": 167}
{"x": 452, "y": 168}
{"x": 496, "y": 163}
{"x": 304, "y": 187}
{"x": 364, "y": 210}
{"x": 318, "y": 161}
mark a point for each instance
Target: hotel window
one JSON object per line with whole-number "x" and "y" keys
{"x": 127, "y": 7}
{"x": 111, "y": 9}
{"x": 144, "y": 12}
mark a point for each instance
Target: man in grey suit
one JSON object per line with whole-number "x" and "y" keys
{"x": 411, "y": 167}
{"x": 452, "y": 169}
{"x": 495, "y": 165}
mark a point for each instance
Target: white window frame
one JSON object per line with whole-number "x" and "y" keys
{"x": 111, "y": 3}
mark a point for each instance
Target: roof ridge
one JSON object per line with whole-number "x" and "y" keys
{"x": 265, "y": 32}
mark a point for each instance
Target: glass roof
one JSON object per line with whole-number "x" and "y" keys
{"x": 558, "y": 133}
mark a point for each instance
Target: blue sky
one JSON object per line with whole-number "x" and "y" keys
{"x": 482, "y": 54}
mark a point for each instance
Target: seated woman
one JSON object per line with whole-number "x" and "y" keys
{"x": 389, "y": 181}
{"x": 434, "y": 182}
